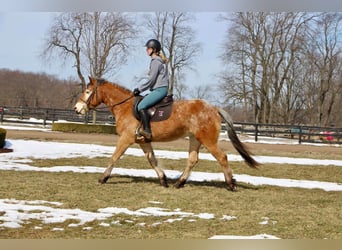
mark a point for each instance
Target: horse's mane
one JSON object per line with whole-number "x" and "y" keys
{"x": 101, "y": 81}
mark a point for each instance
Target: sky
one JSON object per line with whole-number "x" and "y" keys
{"x": 23, "y": 35}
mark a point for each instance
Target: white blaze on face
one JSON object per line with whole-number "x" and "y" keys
{"x": 87, "y": 95}
{"x": 81, "y": 106}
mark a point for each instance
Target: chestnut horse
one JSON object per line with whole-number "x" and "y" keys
{"x": 194, "y": 118}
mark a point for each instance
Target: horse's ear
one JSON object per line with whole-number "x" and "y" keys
{"x": 92, "y": 80}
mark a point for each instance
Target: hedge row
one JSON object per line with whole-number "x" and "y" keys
{"x": 83, "y": 128}
{"x": 2, "y": 137}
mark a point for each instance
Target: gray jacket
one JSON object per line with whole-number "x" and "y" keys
{"x": 158, "y": 75}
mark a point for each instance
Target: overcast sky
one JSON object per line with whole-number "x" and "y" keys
{"x": 22, "y": 36}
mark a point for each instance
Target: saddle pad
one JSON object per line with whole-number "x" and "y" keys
{"x": 159, "y": 112}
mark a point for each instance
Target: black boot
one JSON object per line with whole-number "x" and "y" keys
{"x": 145, "y": 118}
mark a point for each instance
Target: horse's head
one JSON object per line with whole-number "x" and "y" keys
{"x": 89, "y": 98}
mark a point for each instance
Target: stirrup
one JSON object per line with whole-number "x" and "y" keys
{"x": 140, "y": 138}
{"x": 147, "y": 135}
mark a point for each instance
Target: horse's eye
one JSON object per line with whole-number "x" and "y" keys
{"x": 88, "y": 92}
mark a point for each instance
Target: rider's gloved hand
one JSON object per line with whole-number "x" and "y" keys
{"x": 136, "y": 92}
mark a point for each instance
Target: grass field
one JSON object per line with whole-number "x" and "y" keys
{"x": 200, "y": 210}
{"x": 292, "y": 213}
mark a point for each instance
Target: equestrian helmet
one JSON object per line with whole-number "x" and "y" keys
{"x": 154, "y": 44}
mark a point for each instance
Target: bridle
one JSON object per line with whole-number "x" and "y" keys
{"x": 87, "y": 102}
{"x": 89, "y": 97}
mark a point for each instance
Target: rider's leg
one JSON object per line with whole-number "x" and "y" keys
{"x": 145, "y": 118}
{"x": 151, "y": 99}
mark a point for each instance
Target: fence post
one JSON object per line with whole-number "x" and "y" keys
{"x": 86, "y": 117}
{"x": 94, "y": 116}
{"x": 21, "y": 111}
{"x": 300, "y": 135}
{"x": 256, "y": 132}
{"x": 2, "y": 115}
{"x": 45, "y": 117}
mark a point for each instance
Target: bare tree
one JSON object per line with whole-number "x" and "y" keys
{"x": 96, "y": 42}
{"x": 324, "y": 51}
{"x": 36, "y": 90}
{"x": 241, "y": 53}
{"x": 266, "y": 49}
{"x": 178, "y": 44}
{"x": 202, "y": 92}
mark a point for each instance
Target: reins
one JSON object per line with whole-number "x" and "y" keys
{"x": 116, "y": 104}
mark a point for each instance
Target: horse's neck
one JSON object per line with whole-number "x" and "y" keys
{"x": 116, "y": 99}
{"x": 112, "y": 95}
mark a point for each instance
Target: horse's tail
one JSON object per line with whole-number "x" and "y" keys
{"x": 238, "y": 145}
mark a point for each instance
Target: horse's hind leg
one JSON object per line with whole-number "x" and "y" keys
{"x": 221, "y": 157}
{"x": 148, "y": 150}
{"x": 192, "y": 160}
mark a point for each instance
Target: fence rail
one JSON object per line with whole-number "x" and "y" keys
{"x": 46, "y": 116}
{"x": 302, "y": 133}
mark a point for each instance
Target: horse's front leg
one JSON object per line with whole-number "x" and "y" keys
{"x": 148, "y": 150}
{"x": 120, "y": 149}
{"x": 193, "y": 159}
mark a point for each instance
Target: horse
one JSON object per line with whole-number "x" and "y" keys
{"x": 195, "y": 118}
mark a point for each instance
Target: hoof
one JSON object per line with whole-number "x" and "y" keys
{"x": 164, "y": 182}
{"x": 103, "y": 180}
{"x": 232, "y": 186}
{"x": 179, "y": 184}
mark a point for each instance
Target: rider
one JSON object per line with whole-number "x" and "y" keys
{"x": 158, "y": 84}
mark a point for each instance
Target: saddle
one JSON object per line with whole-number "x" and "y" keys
{"x": 159, "y": 112}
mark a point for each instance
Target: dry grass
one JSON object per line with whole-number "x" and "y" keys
{"x": 286, "y": 171}
{"x": 297, "y": 151}
{"x": 293, "y": 213}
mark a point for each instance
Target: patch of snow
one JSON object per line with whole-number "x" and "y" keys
{"x": 155, "y": 202}
{"x": 228, "y": 217}
{"x": 14, "y": 213}
{"x": 237, "y": 237}
{"x": 54, "y": 150}
{"x": 26, "y": 149}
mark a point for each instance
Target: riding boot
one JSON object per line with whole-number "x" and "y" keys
{"x": 145, "y": 118}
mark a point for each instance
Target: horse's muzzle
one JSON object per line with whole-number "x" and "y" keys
{"x": 79, "y": 108}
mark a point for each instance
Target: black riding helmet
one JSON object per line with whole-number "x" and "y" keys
{"x": 154, "y": 44}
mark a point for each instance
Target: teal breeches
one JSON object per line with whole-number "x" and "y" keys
{"x": 153, "y": 98}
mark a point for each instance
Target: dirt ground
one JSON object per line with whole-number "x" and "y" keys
{"x": 311, "y": 151}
